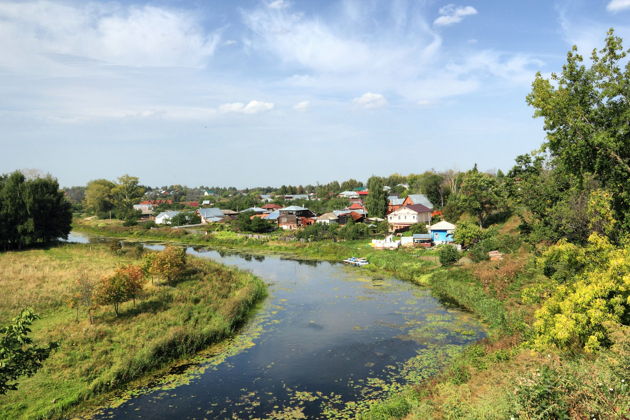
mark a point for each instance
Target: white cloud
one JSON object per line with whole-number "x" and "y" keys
{"x": 252, "y": 107}
{"x": 38, "y": 31}
{"x": 370, "y": 100}
{"x": 618, "y": 5}
{"x": 451, "y": 14}
{"x": 278, "y": 4}
{"x": 302, "y": 106}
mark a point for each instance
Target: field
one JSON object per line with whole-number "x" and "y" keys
{"x": 167, "y": 323}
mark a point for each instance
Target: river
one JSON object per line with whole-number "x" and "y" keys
{"x": 327, "y": 339}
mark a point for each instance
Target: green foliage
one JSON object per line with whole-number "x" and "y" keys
{"x": 99, "y": 197}
{"x": 18, "y": 355}
{"x": 185, "y": 218}
{"x": 480, "y": 195}
{"x": 418, "y": 228}
{"x": 352, "y": 231}
{"x": 595, "y": 291}
{"x": 460, "y": 287}
{"x": 468, "y": 234}
{"x": 376, "y": 201}
{"x": 318, "y": 232}
{"x": 449, "y": 255}
{"x": 32, "y": 211}
{"x": 585, "y": 112}
{"x": 245, "y": 222}
{"x": 542, "y": 396}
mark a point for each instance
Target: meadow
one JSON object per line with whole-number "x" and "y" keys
{"x": 168, "y": 323}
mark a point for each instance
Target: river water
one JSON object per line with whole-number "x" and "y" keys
{"x": 328, "y": 338}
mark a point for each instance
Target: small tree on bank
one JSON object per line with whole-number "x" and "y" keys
{"x": 125, "y": 284}
{"x": 448, "y": 255}
{"x": 169, "y": 264}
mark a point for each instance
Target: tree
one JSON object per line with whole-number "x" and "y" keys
{"x": 448, "y": 255}
{"x": 125, "y": 194}
{"x": 18, "y": 355}
{"x": 586, "y": 112}
{"x": 185, "y": 218}
{"x": 480, "y": 195}
{"x": 376, "y": 201}
{"x": 112, "y": 290}
{"x": 169, "y": 263}
{"x": 468, "y": 234}
{"x": 83, "y": 296}
{"x": 434, "y": 187}
{"x": 99, "y": 197}
{"x": 32, "y": 211}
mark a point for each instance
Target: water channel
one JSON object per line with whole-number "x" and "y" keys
{"x": 327, "y": 339}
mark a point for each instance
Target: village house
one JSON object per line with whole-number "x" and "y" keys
{"x": 255, "y": 210}
{"x": 210, "y": 215}
{"x": 418, "y": 199}
{"x": 394, "y": 203}
{"x": 409, "y": 215}
{"x": 348, "y": 194}
{"x": 272, "y": 207}
{"x": 328, "y": 218}
{"x": 442, "y": 232}
{"x": 165, "y": 217}
{"x": 146, "y": 210}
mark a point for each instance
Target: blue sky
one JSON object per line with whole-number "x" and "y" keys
{"x": 273, "y": 92}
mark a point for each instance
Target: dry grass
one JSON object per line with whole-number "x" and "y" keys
{"x": 497, "y": 276}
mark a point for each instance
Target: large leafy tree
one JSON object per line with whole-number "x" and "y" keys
{"x": 18, "y": 355}
{"x": 125, "y": 194}
{"x": 586, "y": 109}
{"x": 99, "y": 197}
{"x": 32, "y": 211}
{"x": 376, "y": 201}
{"x": 480, "y": 195}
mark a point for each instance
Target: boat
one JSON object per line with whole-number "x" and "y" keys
{"x": 358, "y": 262}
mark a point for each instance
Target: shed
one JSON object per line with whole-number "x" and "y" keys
{"x": 442, "y": 232}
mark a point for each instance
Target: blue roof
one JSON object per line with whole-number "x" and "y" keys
{"x": 273, "y": 215}
{"x": 210, "y": 212}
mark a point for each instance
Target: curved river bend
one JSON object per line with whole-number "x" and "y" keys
{"x": 327, "y": 339}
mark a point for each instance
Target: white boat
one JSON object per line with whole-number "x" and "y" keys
{"x": 356, "y": 261}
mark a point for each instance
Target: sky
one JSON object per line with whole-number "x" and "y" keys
{"x": 271, "y": 92}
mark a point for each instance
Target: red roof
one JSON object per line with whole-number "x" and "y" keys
{"x": 272, "y": 206}
{"x": 364, "y": 192}
{"x": 356, "y": 216}
{"x": 356, "y": 206}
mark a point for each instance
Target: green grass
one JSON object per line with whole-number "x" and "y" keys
{"x": 169, "y": 323}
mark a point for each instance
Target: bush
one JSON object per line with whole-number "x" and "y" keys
{"x": 576, "y": 314}
{"x": 448, "y": 255}
{"x": 169, "y": 264}
{"x": 541, "y": 396}
{"x": 148, "y": 224}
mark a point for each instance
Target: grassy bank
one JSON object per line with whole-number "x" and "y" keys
{"x": 169, "y": 322}
{"x": 412, "y": 264}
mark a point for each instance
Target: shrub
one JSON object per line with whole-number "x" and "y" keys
{"x": 169, "y": 264}
{"x": 541, "y": 396}
{"x": 448, "y": 255}
{"x": 574, "y": 316}
{"x": 148, "y": 224}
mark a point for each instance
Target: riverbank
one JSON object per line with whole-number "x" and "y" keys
{"x": 169, "y": 322}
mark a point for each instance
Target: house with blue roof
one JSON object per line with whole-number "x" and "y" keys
{"x": 210, "y": 215}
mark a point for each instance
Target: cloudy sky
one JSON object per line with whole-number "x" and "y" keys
{"x": 271, "y": 92}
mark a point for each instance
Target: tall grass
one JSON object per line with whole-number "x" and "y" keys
{"x": 169, "y": 323}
